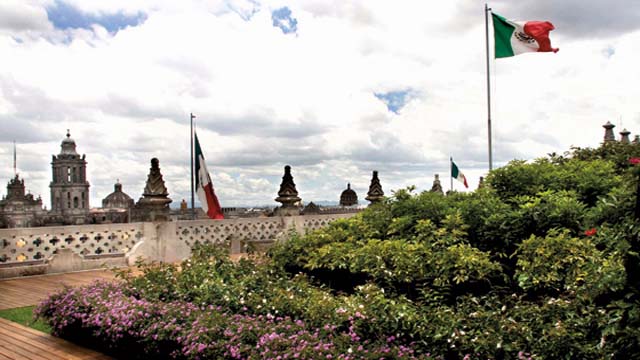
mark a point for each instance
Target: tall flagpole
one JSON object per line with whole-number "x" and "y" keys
{"x": 487, "y": 9}
{"x": 193, "y": 200}
{"x": 15, "y": 166}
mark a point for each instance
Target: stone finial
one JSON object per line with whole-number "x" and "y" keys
{"x": 624, "y": 136}
{"x": 608, "y": 132}
{"x": 636, "y": 139}
{"x": 437, "y": 187}
{"x": 155, "y": 183}
{"x": 375, "y": 193}
{"x": 184, "y": 206}
{"x": 154, "y": 203}
{"x": 481, "y": 182}
{"x": 288, "y": 195}
{"x": 348, "y": 197}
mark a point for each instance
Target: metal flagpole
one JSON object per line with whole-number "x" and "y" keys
{"x": 193, "y": 200}
{"x": 15, "y": 166}
{"x": 486, "y": 28}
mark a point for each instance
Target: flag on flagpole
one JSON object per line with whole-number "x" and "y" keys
{"x": 518, "y": 37}
{"x": 204, "y": 187}
{"x": 456, "y": 174}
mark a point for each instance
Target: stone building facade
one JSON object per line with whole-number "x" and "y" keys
{"x": 19, "y": 209}
{"x": 69, "y": 188}
{"x": 69, "y": 185}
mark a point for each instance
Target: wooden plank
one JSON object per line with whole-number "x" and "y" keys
{"x": 43, "y": 344}
{"x": 32, "y": 290}
{"x": 28, "y": 347}
{"x": 48, "y": 339}
{"x": 5, "y": 357}
{"x": 21, "y": 352}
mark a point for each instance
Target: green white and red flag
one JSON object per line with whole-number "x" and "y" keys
{"x": 518, "y": 37}
{"x": 458, "y": 175}
{"x": 204, "y": 187}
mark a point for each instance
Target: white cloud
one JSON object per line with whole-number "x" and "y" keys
{"x": 264, "y": 99}
{"x": 22, "y": 16}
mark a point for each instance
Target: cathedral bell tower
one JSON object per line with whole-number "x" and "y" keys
{"x": 69, "y": 188}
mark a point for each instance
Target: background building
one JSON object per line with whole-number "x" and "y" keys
{"x": 69, "y": 185}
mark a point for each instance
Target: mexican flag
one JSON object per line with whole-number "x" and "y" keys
{"x": 204, "y": 187}
{"x": 518, "y": 37}
{"x": 456, "y": 174}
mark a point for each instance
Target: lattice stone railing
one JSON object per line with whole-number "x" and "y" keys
{"x": 222, "y": 231}
{"x": 91, "y": 246}
{"x": 28, "y": 245}
{"x": 249, "y": 230}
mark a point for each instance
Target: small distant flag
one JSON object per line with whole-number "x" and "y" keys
{"x": 456, "y": 174}
{"x": 204, "y": 187}
{"x": 518, "y": 37}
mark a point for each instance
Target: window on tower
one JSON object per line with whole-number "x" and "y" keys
{"x": 68, "y": 174}
{"x": 75, "y": 202}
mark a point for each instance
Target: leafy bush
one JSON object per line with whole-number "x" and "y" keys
{"x": 542, "y": 263}
{"x": 559, "y": 263}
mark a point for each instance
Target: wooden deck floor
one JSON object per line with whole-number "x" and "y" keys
{"x": 20, "y": 342}
{"x": 27, "y": 291}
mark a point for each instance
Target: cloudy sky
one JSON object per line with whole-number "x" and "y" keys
{"x": 335, "y": 89}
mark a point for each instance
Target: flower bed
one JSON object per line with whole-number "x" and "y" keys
{"x": 124, "y": 325}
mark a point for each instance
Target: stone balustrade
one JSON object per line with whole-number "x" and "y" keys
{"x": 27, "y": 251}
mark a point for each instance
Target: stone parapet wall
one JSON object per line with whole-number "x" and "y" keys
{"x": 28, "y": 251}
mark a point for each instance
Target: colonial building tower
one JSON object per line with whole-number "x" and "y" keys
{"x": 69, "y": 188}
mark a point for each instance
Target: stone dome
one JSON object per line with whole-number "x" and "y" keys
{"x": 348, "y": 197}
{"x": 117, "y": 199}
{"x": 68, "y": 146}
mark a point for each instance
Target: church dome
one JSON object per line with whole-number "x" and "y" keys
{"x": 68, "y": 145}
{"x": 117, "y": 199}
{"x": 348, "y": 197}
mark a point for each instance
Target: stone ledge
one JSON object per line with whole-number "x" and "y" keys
{"x": 64, "y": 261}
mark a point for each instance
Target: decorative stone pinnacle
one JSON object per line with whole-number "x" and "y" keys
{"x": 624, "y": 136}
{"x": 608, "y": 132}
{"x": 375, "y": 193}
{"x": 437, "y": 186}
{"x": 288, "y": 194}
{"x": 155, "y": 183}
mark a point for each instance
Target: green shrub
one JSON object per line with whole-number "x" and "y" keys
{"x": 558, "y": 263}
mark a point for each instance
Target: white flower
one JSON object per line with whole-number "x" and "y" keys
{"x": 349, "y": 350}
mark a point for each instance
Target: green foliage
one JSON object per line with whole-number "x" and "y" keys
{"x": 589, "y": 179}
{"x": 559, "y": 263}
{"x": 542, "y": 263}
{"x": 24, "y": 316}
